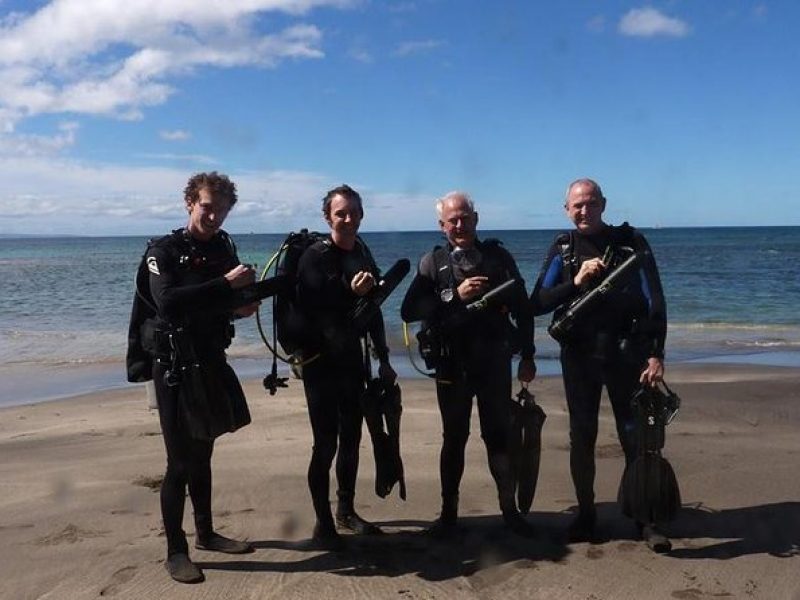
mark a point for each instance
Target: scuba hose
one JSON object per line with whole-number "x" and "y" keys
{"x": 407, "y": 343}
{"x": 273, "y": 346}
{"x": 271, "y": 381}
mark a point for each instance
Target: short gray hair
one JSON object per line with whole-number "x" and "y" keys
{"x": 598, "y": 193}
{"x": 454, "y": 195}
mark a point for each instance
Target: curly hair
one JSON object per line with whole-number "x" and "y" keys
{"x": 216, "y": 183}
{"x": 345, "y": 191}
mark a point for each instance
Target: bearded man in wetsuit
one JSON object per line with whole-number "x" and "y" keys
{"x": 475, "y": 353}
{"x": 620, "y": 347}
{"x": 193, "y": 276}
{"x": 332, "y": 275}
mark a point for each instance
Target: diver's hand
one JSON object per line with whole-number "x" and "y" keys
{"x": 472, "y": 287}
{"x": 240, "y": 276}
{"x": 362, "y": 283}
{"x": 387, "y": 373}
{"x": 247, "y": 310}
{"x": 588, "y": 271}
{"x": 526, "y": 371}
{"x": 653, "y": 372}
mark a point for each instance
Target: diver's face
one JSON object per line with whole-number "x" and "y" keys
{"x": 585, "y": 208}
{"x": 207, "y": 214}
{"x": 345, "y": 216}
{"x": 459, "y": 223}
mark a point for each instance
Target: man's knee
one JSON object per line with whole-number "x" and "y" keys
{"x": 455, "y": 439}
{"x": 582, "y": 439}
{"x": 350, "y": 437}
{"x": 496, "y": 441}
{"x": 324, "y": 449}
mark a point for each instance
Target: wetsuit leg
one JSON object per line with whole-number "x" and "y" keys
{"x": 490, "y": 377}
{"x": 622, "y": 380}
{"x": 455, "y": 406}
{"x": 583, "y": 385}
{"x": 351, "y": 386}
{"x": 323, "y": 412}
{"x": 188, "y": 463}
{"x": 490, "y": 374}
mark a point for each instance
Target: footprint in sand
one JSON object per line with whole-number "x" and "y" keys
{"x": 688, "y": 594}
{"x": 594, "y": 553}
{"x": 152, "y": 483}
{"x": 69, "y": 535}
{"x": 118, "y": 579}
{"x": 22, "y": 526}
{"x": 608, "y": 451}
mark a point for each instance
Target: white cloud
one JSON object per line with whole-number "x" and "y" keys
{"x": 649, "y": 22}
{"x": 55, "y": 195}
{"x": 361, "y": 55}
{"x": 416, "y": 47}
{"x": 402, "y": 7}
{"x": 39, "y": 145}
{"x": 200, "y": 159}
{"x": 116, "y": 58}
{"x": 175, "y": 135}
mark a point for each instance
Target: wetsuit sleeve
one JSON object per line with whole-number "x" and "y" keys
{"x": 553, "y": 286}
{"x": 173, "y": 298}
{"x": 655, "y": 325}
{"x": 521, "y": 309}
{"x": 377, "y": 326}
{"x": 421, "y": 301}
{"x": 377, "y": 333}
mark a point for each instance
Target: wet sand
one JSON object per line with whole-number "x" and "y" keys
{"x": 79, "y": 510}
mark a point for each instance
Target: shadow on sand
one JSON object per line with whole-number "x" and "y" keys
{"x": 772, "y": 529}
{"x": 483, "y": 542}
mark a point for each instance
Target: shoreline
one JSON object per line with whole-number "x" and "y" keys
{"x": 26, "y": 383}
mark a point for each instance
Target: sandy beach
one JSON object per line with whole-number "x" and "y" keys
{"x": 79, "y": 509}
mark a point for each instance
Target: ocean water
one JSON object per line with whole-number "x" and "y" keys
{"x": 731, "y": 294}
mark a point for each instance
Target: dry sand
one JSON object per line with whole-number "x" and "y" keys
{"x": 79, "y": 512}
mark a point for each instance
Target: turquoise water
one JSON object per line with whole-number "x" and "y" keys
{"x": 65, "y": 302}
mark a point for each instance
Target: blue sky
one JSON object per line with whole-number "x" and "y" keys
{"x": 685, "y": 111}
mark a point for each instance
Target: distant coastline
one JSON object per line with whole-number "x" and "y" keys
{"x": 27, "y": 236}
{"x": 235, "y": 232}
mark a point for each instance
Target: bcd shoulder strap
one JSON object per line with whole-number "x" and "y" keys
{"x": 495, "y": 247}
{"x": 368, "y": 255}
{"x": 622, "y": 235}
{"x": 566, "y": 246}
{"x": 445, "y": 278}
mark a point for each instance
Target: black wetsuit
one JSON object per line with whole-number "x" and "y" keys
{"x": 187, "y": 283}
{"x": 609, "y": 348}
{"x": 476, "y": 357}
{"x": 336, "y": 378}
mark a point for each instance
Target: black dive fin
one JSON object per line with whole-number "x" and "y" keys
{"x": 527, "y": 419}
{"x": 382, "y": 407}
{"x": 649, "y": 490}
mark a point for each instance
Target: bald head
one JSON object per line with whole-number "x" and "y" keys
{"x": 585, "y": 204}
{"x": 588, "y": 184}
